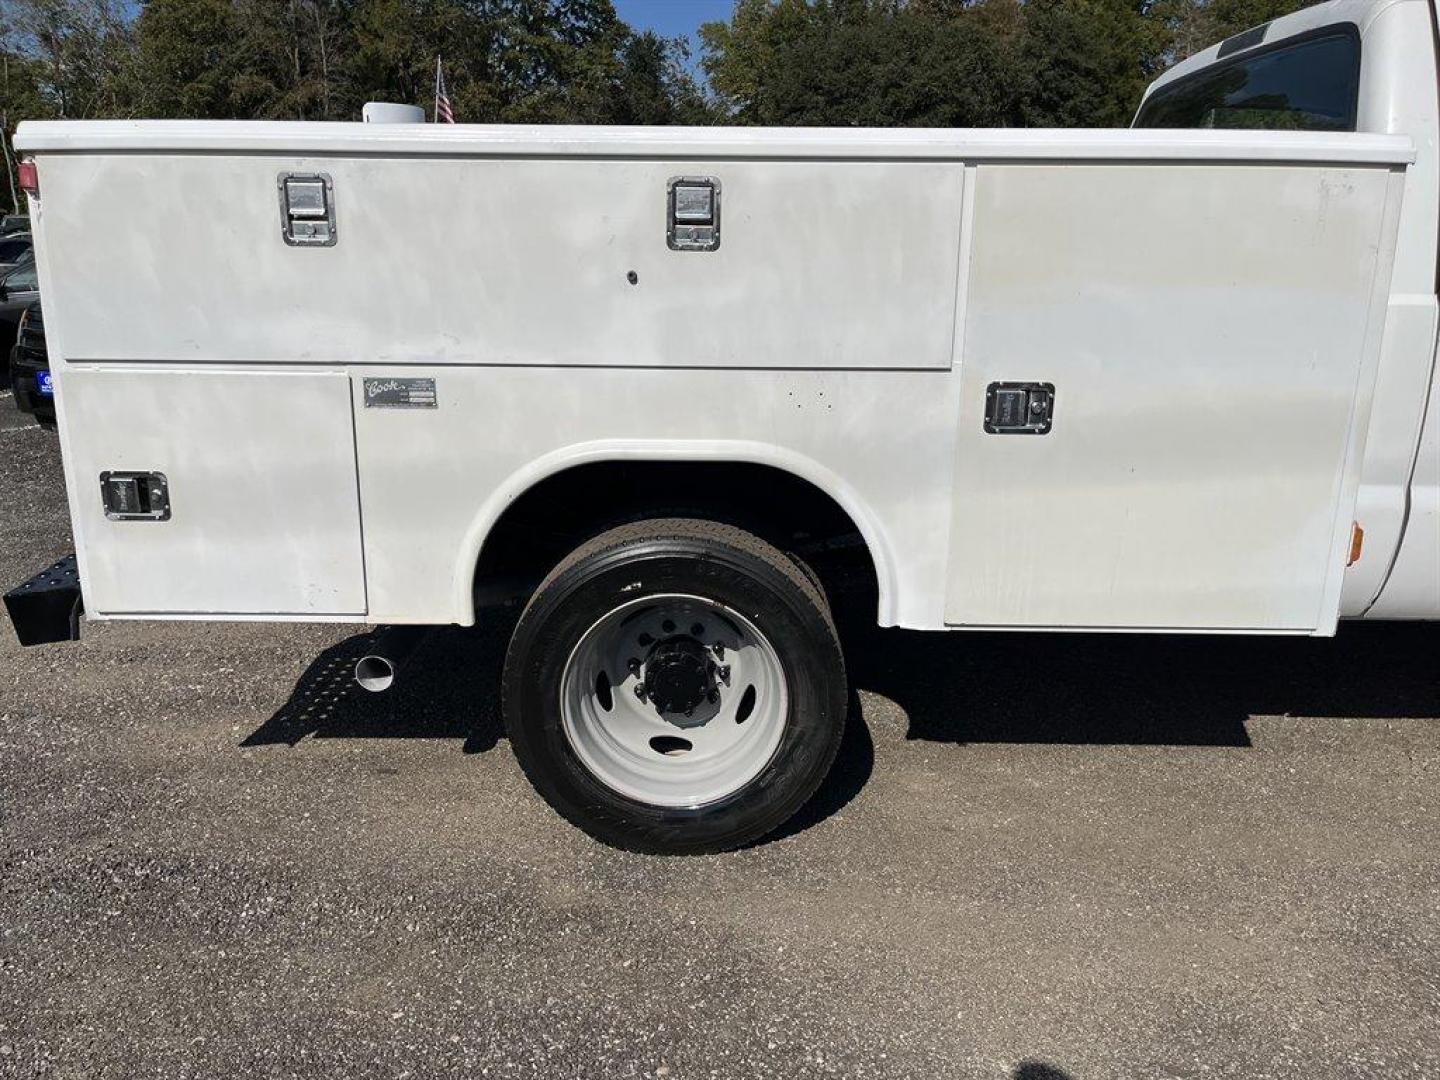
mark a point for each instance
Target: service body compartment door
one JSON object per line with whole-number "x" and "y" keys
{"x": 1210, "y": 335}
{"x": 259, "y": 468}
{"x": 568, "y": 261}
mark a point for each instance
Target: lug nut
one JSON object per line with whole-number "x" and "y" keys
{"x": 724, "y": 672}
{"x": 640, "y": 691}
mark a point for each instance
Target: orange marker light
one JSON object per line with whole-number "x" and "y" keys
{"x": 1357, "y": 541}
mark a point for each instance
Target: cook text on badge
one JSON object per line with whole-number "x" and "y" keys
{"x": 400, "y": 394}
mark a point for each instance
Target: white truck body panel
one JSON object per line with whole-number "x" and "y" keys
{"x": 265, "y": 517}
{"x": 1213, "y": 374}
{"x": 512, "y": 262}
{"x": 1205, "y": 303}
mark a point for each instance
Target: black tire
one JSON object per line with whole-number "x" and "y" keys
{"x": 702, "y": 558}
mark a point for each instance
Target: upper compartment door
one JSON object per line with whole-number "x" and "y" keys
{"x": 572, "y": 262}
{"x": 1211, "y": 334}
{"x": 264, "y": 515}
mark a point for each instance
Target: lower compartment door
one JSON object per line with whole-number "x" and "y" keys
{"x": 259, "y": 467}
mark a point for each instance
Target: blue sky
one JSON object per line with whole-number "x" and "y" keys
{"x": 674, "y": 18}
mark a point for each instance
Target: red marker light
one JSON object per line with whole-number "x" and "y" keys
{"x": 29, "y": 178}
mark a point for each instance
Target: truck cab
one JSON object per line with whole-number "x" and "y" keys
{"x": 1356, "y": 66}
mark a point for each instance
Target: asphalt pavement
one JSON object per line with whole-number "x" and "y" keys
{"x": 1040, "y": 858}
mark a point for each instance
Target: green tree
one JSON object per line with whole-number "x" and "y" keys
{"x": 518, "y": 61}
{"x": 189, "y": 57}
{"x": 59, "y": 58}
{"x": 289, "y": 51}
{"x": 1041, "y": 63}
{"x": 1088, "y": 61}
{"x": 78, "y": 50}
{"x": 20, "y": 96}
{"x": 654, "y": 86}
{"x": 868, "y": 62}
{"x": 819, "y": 62}
{"x": 394, "y": 45}
{"x": 258, "y": 59}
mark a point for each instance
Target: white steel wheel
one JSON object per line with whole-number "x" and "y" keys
{"x": 674, "y": 700}
{"x": 675, "y": 686}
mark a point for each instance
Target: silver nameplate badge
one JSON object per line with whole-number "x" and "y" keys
{"x": 400, "y": 394}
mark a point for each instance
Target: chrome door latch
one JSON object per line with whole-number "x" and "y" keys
{"x": 1019, "y": 408}
{"x": 307, "y": 209}
{"x": 135, "y": 496}
{"x": 693, "y": 216}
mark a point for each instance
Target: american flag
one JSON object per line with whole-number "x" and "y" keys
{"x": 444, "y": 114}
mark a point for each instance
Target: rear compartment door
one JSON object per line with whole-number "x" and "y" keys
{"x": 260, "y": 467}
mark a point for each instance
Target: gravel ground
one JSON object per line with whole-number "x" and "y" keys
{"x": 1040, "y": 858}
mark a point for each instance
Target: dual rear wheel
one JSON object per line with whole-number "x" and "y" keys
{"x": 676, "y": 686}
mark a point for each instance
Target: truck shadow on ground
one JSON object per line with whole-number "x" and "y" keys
{"x": 449, "y": 689}
{"x": 1160, "y": 689}
{"x": 1087, "y": 689}
{"x": 1039, "y": 1070}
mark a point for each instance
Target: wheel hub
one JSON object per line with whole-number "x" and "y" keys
{"x": 681, "y": 648}
{"x": 679, "y": 675}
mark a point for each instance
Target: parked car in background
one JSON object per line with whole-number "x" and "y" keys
{"x": 19, "y": 288}
{"x": 15, "y": 251}
{"x": 30, "y": 368}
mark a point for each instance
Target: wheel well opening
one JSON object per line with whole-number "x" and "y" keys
{"x": 558, "y": 513}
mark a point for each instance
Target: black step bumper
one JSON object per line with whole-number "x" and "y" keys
{"x": 48, "y": 607}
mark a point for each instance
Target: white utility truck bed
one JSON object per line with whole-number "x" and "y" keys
{"x": 1207, "y": 305}
{"x": 1111, "y": 380}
